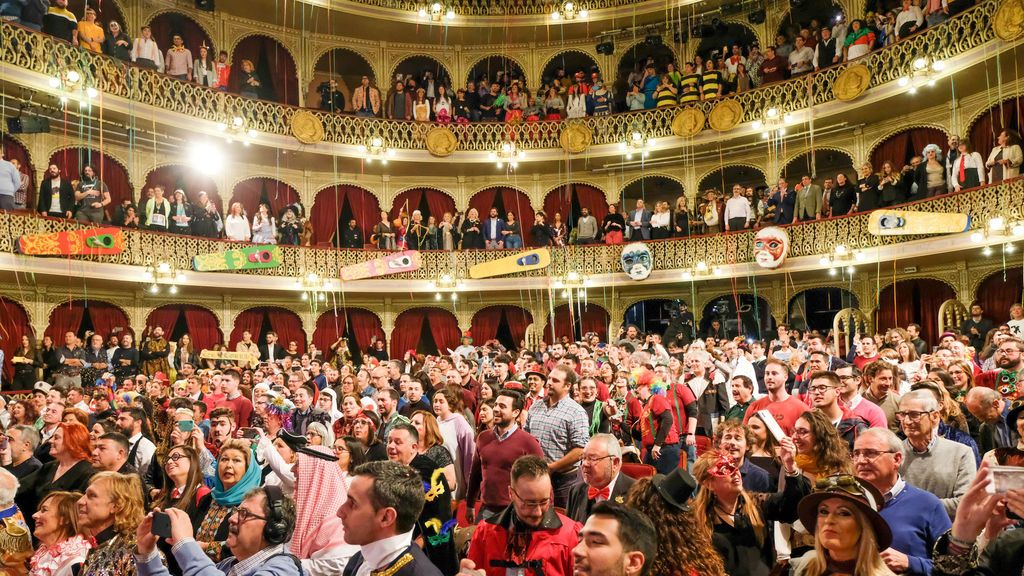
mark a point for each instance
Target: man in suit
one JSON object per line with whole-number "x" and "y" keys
{"x": 784, "y": 201}
{"x": 271, "y": 351}
{"x": 493, "y": 228}
{"x": 601, "y": 465}
{"x": 991, "y": 409}
{"x": 639, "y": 222}
{"x": 808, "y": 201}
{"x": 56, "y": 196}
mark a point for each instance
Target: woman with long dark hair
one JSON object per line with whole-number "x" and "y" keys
{"x": 28, "y": 361}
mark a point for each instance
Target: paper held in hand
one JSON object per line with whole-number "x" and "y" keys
{"x": 771, "y": 424}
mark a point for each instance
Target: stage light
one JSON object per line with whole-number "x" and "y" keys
{"x": 207, "y": 158}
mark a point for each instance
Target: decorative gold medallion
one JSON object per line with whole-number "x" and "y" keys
{"x": 688, "y": 122}
{"x": 441, "y": 141}
{"x": 852, "y": 82}
{"x": 307, "y": 128}
{"x": 1008, "y": 21}
{"x": 726, "y": 115}
{"x": 575, "y": 137}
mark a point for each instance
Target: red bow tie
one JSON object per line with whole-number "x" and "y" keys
{"x": 594, "y": 493}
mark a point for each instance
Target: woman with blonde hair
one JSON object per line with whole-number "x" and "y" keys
{"x": 236, "y": 225}
{"x": 867, "y": 189}
{"x": 62, "y": 546}
{"x": 681, "y": 218}
{"x": 432, "y": 444}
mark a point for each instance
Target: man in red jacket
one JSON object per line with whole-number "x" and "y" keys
{"x": 529, "y": 537}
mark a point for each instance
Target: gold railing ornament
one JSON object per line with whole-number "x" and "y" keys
{"x": 688, "y": 122}
{"x": 575, "y": 137}
{"x": 441, "y": 141}
{"x": 307, "y": 128}
{"x": 726, "y": 115}
{"x": 852, "y": 82}
{"x": 1008, "y": 21}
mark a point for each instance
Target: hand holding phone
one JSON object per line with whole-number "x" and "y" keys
{"x": 186, "y": 425}
{"x": 161, "y": 525}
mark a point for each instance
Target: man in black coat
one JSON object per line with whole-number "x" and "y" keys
{"x": 352, "y": 236}
{"x": 56, "y": 195}
{"x": 602, "y": 477}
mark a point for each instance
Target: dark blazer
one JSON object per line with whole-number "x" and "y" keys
{"x": 784, "y": 207}
{"x": 279, "y": 352}
{"x": 498, "y": 228}
{"x": 579, "y": 506}
{"x": 36, "y": 486}
{"x": 67, "y": 196}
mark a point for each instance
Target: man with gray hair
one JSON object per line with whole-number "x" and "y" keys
{"x": 15, "y": 536}
{"x": 18, "y": 458}
{"x": 930, "y": 462}
{"x": 989, "y": 407}
{"x": 601, "y": 466}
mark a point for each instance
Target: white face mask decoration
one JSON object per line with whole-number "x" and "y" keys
{"x": 637, "y": 262}
{"x": 771, "y": 245}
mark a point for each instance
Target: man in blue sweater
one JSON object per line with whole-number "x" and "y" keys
{"x": 917, "y": 518}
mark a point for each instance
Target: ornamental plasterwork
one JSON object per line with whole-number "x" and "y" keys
{"x": 237, "y": 29}
{"x": 206, "y": 21}
{"x": 903, "y": 128}
{"x": 523, "y": 58}
{"x": 318, "y": 47}
{"x": 973, "y": 107}
{"x": 395, "y": 55}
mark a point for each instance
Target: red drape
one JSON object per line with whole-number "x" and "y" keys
{"x": 168, "y": 24}
{"x": 513, "y": 201}
{"x": 558, "y": 200}
{"x": 364, "y": 325}
{"x": 14, "y": 150}
{"x": 916, "y": 301}
{"x": 996, "y": 294}
{"x": 13, "y": 325}
{"x": 107, "y": 318}
{"x": 250, "y": 320}
{"x": 71, "y": 160}
{"x": 444, "y": 328}
{"x": 328, "y": 205}
{"x": 407, "y": 202}
{"x": 518, "y": 319}
{"x": 406, "y": 335}
{"x": 1001, "y": 116}
{"x": 266, "y": 54}
{"x": 898, "y": 148}
{"x": 165, "y": 317}
{"x": 288, "y": 326}
{"x": 174, "y": 176}
{"x": 250, "y": 192}
{"x": 485, "y": 323}
{"x": 329, "y": 327}
{"x": 203, "y": 327}
{"x": 589, "y": 318}
{"x": 65, "y": 318}
{"x": 437, "y": 203}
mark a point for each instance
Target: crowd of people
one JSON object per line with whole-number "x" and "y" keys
{"x": 697, "y": 454}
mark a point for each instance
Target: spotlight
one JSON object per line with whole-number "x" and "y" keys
{"x": 74, "y": 77}
{"x": 173, "y": 289}
{"x": 997, "y": 224}
{"x": 977, "y": 237}
{"x": 437, "y": 296}
{"x": 91, "y": 92}
{"x": 986, "y": 251}
{"x": 903, "y": 81}
{"x": 920, "y": 63}
{"x": 206, "y": 158}
{"x": 154, "y": 289}
{"x": 54, "y": 82}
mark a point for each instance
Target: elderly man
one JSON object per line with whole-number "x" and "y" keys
{"x": 930, "y": 462}
{"x": 602, "y": 464}
{"x": 989, "y": 407}
{"x": 18, "y": 457}
{"x": 15, "y": 536}
{"x": 917, "y": 518}
{"x": 615, "y": 541}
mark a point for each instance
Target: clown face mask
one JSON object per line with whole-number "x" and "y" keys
{"x": 771, "y": 245}
{"x": 636, "y": 260}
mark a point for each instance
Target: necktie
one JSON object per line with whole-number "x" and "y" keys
{"x": 962, "y": 161}
{"x": 594, "y": 493}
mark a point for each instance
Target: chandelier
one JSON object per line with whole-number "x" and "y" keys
{"x": 374, "y": 149}
{"x": 506, "y": 152}
{"x": 569, "y": 10}
{"x": 436, "y": 12}
{"x": 161, "y": 272}
{"x": 999, "y": 229}
{"x": 236, "y": 130}
{"x": 572, "y": 285}
{"x": 773, "y": 123}
{"x": 314, "y": 288}
{"x": 923, "y": 71}
{"x": 447, "y": 283}
{"x": 701, "y": 270}
{"x": 841, "y": 256}
{"x": 637, "y": 143}
{"x": 71, "y": 84}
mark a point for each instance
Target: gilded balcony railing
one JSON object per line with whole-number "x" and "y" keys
{"x": 505, "y": 8}
{"x": 807, "y": 239}
{"x": 46, "y": 55}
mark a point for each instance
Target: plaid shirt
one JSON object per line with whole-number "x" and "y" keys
{"x": 559, "y": 429}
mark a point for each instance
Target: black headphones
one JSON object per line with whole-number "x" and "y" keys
{"x": 276, "y": 530}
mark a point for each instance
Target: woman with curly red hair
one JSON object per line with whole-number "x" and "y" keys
{"x": 69, "y": 471}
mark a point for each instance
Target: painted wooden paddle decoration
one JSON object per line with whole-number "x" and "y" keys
{"x": 396, "y": 263}
{"x": 903, "y": 223}
{"x": 248, "y": 258}
{"x": 89, "y": 242}
{"x": 521, "y": 262}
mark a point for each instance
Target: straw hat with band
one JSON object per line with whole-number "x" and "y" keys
{"x": 855, "y": 491}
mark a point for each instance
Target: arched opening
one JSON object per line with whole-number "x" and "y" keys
{"x": 651, "y": 189}
{"x": 176, "y": 176}
{"x": 650, "y": 315}
{"x": 900, "y": 147}
{"x": 14, "y": 319}
{"x": 497, "y": 68}
{"x": 202, "y": 326}
{"x": 738, "y": 315}
{"x": 507, "y": 324}
{"x": 425, "y": 330}
{"x": 505, "y": 200}
{"x": 262, "y": 319}
{"x": 811, "y": 14}
{"x": 358, "y": 325}
{"x": 14, "y": 150}
{"x": 262, "y": 190}
{"x": 417, "y": 68}
{"x": 105, "y": 12}
{"x": 725, "y": 34}
{"x": 345, "y": 66}
{"x": 165, "y": 26}
{"x": 333, "y": 208}
{"x": 110, "y": 171}
{"x": 570, "y": 62}
{"x": 820, "y": 164}
{"x": 1000, "y": 290}
{"x": 1003, "y": 116}
{"x": 272, "y": 63}
{"x": 724, "y": 178}
{"x": 916, "y": 301}
{"x": 815, "y": 309}
{"x": 575, "y": 320}
{"x": 631, "y": 66}
{"x": 569, "y": 199}
{"x": 429, "y": 201}
{"x": 79, "y": 316}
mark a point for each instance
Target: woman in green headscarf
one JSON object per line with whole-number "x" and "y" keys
{"x": 236, "y": 474}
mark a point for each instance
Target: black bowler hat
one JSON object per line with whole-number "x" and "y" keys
{"x": 676, "y": 488}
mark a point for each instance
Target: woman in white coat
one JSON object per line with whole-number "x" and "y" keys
{"x": 1005, "y": 159}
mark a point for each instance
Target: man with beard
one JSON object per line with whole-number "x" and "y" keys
{"x": 141, "y": 449}
{"x": 222, "y": 428}
{"x": 602, "y": 478}
{"x": 153, "y": 353}
{"x": 1008, "y": 379}
{"x": 881, "y": 377}
{"x": 615, "y": 541}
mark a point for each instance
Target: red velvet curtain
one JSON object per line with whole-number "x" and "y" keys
{"x": 13, "y": 325}
{"x": 250, "y": 320}
{"x": 407, "y": 202}
{"x": 595, "y": 319}
{"x": 898, "y": 148}
{"x": 406, "y": 335}
{"x": 999, "y": 117}
{"x": 203, "y": 327}
{"x": 165, "y": 317}
{"x": 518, "y": 319}
{"x": 273, "y": 64}
{"x": 107, "y": 318}
{"x": 168, "y": 24}
{"x": 65, "y": 318}
{"x": 364, "y": 325}
{"x": 558, "y": 200}
{"x": 174, "y": 176}
{"x": 513, "y": 200}
{"x": 997, "y": 292}
{"x": 589, "y": 318}
{"x": 329, "y": 327}
{"x": 485, "y": 323}
{"x": 71, "y": 160}
{"x": 438, "y": 203}
{"x": 14, "y": 150}
{"x": 328, "y": 205}
{"x": 916, "y": 301}
{"x": 444, "y": 328}
{"x": 250, "y": 192}
{"x": 592, "y": 198}
{"x": 288, "y": 326}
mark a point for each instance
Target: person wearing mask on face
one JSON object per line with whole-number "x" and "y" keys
{"x": 602, "y": 477}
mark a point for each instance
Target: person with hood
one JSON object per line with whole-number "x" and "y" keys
{"x": 320, "y": 490}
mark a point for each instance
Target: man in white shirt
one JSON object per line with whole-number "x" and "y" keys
{"x": 737, "y": 211}
{"x": 1016, "y": 322}
{"x": 140, "y": 448}
{"x": 909, "y": 20}
{"x": 801, "y": 58}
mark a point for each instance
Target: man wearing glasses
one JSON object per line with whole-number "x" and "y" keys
{"x": 823, "y": 393}
{"x": 917, "y": 517}
{"x": 849, "y": 395}
{"x": 602, "y": 481}
{"x": 930, "y": 462}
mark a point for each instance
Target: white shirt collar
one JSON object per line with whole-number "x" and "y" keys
{"x": 135, "y": 438}
{"x": 379, "y": 554}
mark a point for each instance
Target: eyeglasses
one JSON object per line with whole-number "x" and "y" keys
{"x": 912, "y": 415}
{"x": 870, "y": 455}
{"x": 245, "y": 515}
{"x": 339, "y": 449}
{"x": 542, "y": 504}
{"x": 176, "y": 456}
{"x": 800, "y": 432}
{"x": 594, "y": 460}
{"x": 819, "y": 389}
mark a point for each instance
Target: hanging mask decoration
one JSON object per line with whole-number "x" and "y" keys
{"x": 771, "y": 245}
{"x": 637, "y": 261}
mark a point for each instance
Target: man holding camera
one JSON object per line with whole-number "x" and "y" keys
{"x": 331, "y": 99}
